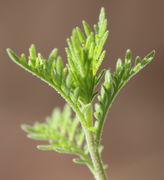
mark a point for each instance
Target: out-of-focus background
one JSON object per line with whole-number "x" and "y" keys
{"x": 134, "y": 132}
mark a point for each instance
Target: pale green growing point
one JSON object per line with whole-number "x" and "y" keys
{"x": 76, "y": 82}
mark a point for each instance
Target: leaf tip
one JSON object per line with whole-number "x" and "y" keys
{"x": 25, "y": 127}
{"x": 153, "y": 52}
{"x": 8, "y": 50}
{"x": 102, "y": 10}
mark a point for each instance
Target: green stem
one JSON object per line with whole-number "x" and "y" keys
{"x": 102, "y": 120}
{"x": 99, "y": 172}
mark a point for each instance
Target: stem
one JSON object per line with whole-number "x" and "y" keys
{"x": 102, "y": 120}
{"x": 99, "y": 170}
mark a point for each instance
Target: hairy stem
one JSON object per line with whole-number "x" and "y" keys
{"x": 102, "y": 120}
{"x": 99, "y": 170}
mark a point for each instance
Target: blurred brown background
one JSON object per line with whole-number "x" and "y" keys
{"x": 134, "y": 132}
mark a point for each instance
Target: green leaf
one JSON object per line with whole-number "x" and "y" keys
{"x": 85, "y": 56}
{"x": 12, "y": 55}
{"x": 119, "y": 65}
{"x": 28, "y": 128}
{"x": 51, "y": 71}
{"x": 52, "y": 55}
{"x": 42, "y": 137}
{"x": 79, "y": 161}
{"x": 113, "y": 83}
{"x": 80, "y": 35}
{"x": 137, "y": 60}
{"x": 100, "y": 76}
{"x": 59, "y": 65}
{"x": 32, "y": 52}
{"x": 86, "y": 28}
{"x": 148, "y": 58}
{"x": 61, "y": 130}
{"x": 45, "y": 147}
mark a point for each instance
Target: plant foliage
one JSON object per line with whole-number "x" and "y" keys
{"x": 77, "y": 82}
{"x": 63, "y": 133}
